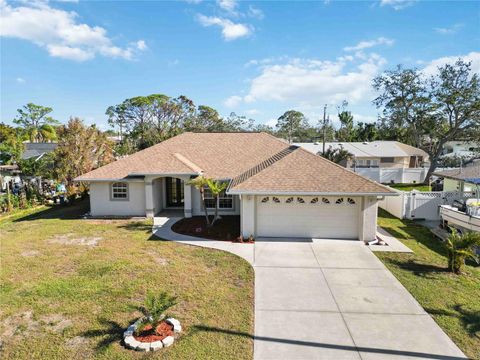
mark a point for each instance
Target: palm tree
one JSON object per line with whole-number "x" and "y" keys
{"x": 337, "y": 155}
{"x": 200, "y": 183}
{"x": 216, "y": 187}
{"x": 460, "y": 247}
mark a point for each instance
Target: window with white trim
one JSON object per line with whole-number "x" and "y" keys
{"x": 224, "y": 200}
{"x": 119, "y": 191}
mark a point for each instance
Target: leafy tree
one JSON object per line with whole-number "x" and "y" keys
{"x": 366, "y": 132}
{"x": 338, "y": 155}
{"x": 43, "y": 167}
{"x": 80, "y": 149}
{"x": 428, "y": 112}
{"x": 206, "y": 119}
{"x": 346, "y": 131}
{"x": 460, "y": 247}
{"x": 200, "y": 183}
{"x": 11, "y": 146}
{"x": 291, "y": 124}
{"x": 216, "y": 188}
{"x": 36, "y": 123}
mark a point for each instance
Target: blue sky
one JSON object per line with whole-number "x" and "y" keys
{"x": 257, "y": 59}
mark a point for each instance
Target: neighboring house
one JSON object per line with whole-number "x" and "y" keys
{"x": 382, "y": 161}
{"x": 461, "y": 149}
{"x": 279, "y": 190}
{"x": 37, "y": 150}
{"x": 461, "y": 179}
{"x": 375, "y": 154}
{"x": 7, "y": 174}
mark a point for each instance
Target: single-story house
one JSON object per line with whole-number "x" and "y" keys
{"x": 36, "y": 150}
{"x": 462, "y": 179}
{"x": 277, "y": 189}
{"x": 461, "y": 149}
{"x": 375, "y": 154}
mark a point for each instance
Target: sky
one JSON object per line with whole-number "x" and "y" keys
{"x": 254, "y": 58}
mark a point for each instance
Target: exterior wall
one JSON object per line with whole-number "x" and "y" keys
{"x": 398, "y": 162}
{"x": 248, "y": 215}
{"x": 368, "y": 219}
{"x": 101, "y": 203}
{"x": 451, "y": 185}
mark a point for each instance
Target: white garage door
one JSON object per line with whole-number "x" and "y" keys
{"x": 308, "y": 216}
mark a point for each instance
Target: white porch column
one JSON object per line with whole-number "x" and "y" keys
{"x": 247, "y": 215}
{"x": 187, "y": 199}
{"x": 149, "y": 207}
{"x": 368, "y": 219}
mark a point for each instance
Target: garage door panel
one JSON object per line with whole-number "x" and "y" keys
{"x": 319, "y": 219}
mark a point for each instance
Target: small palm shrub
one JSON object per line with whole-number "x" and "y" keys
{"x": 154, "y": 309}
{"x": 459, "y": 248}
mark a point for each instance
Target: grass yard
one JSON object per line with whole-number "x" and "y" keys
{"x": 69, "y": 287}
{"x": 410, "y": 187}
{"x": 453, "y": 301}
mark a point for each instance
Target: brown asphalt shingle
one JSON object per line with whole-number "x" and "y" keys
{"x": 255, "y": 162}
{"x": 301, "y": 171}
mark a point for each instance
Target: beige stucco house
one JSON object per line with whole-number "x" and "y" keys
{"x": 277, "y": 189}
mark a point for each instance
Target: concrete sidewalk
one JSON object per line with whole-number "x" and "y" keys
{"x": 330, "y": 299}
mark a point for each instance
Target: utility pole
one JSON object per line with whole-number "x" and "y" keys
{"x": 324, "y": 126}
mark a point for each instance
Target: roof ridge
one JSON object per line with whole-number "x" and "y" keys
{"x": 188, "y": 162}
{"x": 261, "y": 166}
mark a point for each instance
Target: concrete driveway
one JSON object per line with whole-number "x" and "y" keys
{"x": 333, "y": 299}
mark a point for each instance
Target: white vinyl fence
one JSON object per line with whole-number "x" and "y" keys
{"x": 420, "y": 205}
{"x": 397, "y": 175}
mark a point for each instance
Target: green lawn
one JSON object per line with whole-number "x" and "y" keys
{"x": 453, "y": 301}
{"x": 70, "y": 298}
{"x": 410, "y": 187}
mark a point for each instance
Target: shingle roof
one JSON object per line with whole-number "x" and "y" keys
{"x": 304, "y": 172}
{"x": 369, "y": 149}
{"x": 467, "y": 173}
{"x": 219, "y": 155}
{"x": 253, "y": 161}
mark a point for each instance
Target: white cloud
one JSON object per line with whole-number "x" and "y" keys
{"x": 60, "y": 33}
{"x": 364, "y": 118}
{"x": 228, "y": 5}
{"x": 233, "y": 101}
{"x": 310, "y": 82}
{"x": 397, "y": 4}
{"x": 362, "y": 45}
{"x": 230, "y": 30}
{"x": 271, "y": 122}
{"x": 252, "y": 112}
{"x": 141, "y": 45}
{"x": 255, "y": 12}
{"x": 473, "y": 57}
{"x": 20, "y": 80}
{"x": 449, "y": 30}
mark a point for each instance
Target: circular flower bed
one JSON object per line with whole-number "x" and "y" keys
{"x": 149, "y": 340}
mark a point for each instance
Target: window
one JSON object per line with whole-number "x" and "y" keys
{"x": 387, "y": 160}
{"x": 119, "y": 191}
{"x": 367, "y": 163}
{"x": 224, "y": 201}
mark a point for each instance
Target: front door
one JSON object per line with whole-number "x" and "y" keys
{"x": 174, "y": 192}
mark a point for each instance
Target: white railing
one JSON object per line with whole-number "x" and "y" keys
{"x": 420, "y": 205}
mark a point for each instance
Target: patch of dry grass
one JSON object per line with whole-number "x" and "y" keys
{"x": 70, "y": 286}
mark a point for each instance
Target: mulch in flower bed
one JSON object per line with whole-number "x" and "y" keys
{"x": 225, "y": 229}
{"x": 161, "y": 332}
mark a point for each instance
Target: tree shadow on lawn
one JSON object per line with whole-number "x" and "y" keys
{"x": 111, "y": 332}
{"x": 419, "y": 269}
{"x": 62, "y": 212}
{"x": 470, "y": 319}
